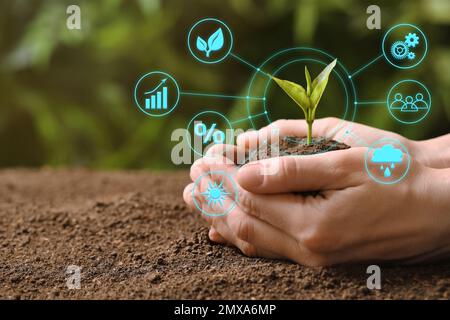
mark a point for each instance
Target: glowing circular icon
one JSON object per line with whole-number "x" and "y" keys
{"x": 387, "y": 161}
{"x": 217, "y": 193}
{"x": 206, "y": 129}
{"x": 408, "y": 101}
{"x": 404, "y": 46}
{"x": 210, "y": 40}
{"x": 156, "y": 94}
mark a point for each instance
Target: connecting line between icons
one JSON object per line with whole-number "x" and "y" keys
{"x": 369, "y": 102}
{"x": 224, "y": 96}
{"x": 365, "y": 66}
{"x": 249, "y": 117}
{"x": 249, "y": 64}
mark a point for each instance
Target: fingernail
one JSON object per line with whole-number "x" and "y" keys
{"x": 249, "y": 176}
{"x": 212, "y": 233}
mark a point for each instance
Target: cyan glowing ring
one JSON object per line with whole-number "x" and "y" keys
{"x": 393, "y": 114}
{"x": 261, "y": 67}
{"x": 235, "y": 191}
{"x": 383, "y": 47}
{"x": 384, "y": 141}
{"x": 150, "y": 74}
{"x": 210, "y": 61}
{"x": 188, "y": 137}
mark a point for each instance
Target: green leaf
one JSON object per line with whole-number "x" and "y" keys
{"x": 308, "y": 81}
{"x": 296, "y": 92}
{"x": 320, "y": 83}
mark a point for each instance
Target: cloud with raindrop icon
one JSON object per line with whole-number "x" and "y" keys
{"x": 387, "y": 154}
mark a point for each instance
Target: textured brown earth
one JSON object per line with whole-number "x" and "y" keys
{"x": 296, "y": 146}
{"x": 133, "y": 237}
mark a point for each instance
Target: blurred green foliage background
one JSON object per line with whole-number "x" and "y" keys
{"x": 66, "y": 95}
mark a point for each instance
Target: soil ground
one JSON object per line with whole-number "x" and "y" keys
{"x": 134, "y": 239}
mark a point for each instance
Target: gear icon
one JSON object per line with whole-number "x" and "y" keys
{"x": 411, "y": 55}
{"x": 399, "y": 50}
{"x": 411, "y": 40}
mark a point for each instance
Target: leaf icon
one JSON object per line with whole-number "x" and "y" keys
{"x": 215, "y": 41}
{"x": 201, "y": 45}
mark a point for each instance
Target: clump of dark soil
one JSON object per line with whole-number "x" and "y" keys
{"x": 134, "y": 238}
{"x": 296, "y": 146}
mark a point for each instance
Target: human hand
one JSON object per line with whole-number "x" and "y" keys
{"x": 352, "y": 219}
{"x": 351, "y": 133}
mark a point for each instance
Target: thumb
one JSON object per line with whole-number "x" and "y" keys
{"x": 325, "y": 171}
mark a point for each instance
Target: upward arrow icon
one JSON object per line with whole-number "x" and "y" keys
{"x": 157, "y": 87}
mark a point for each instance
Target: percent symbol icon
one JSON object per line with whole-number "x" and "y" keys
{"x": 216, "y": 135}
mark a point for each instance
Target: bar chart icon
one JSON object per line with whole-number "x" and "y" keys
{"x": 157, "y": 100}
{"x": 151, "y": 94}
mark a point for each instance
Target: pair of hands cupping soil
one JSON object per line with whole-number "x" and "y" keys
{"x": 351, "y": 219}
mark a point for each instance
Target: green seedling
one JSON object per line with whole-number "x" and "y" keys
{"x": 308, "y": 99}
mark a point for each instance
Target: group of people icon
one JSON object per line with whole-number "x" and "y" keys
{"x": 409, "y": 104}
